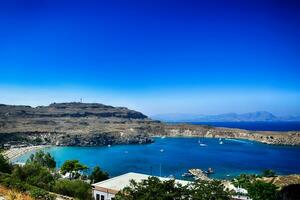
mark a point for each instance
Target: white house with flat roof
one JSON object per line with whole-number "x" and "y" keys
{"x": 106, "y": 190}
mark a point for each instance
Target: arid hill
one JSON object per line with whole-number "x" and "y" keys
{"x": 92, "y": 124}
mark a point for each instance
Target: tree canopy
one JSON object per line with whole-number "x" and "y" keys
{"x": 5, "y": 166}
{"x": 260, "y": 190}
{"x": 34, "y": 174}
{"x": 154, "y": 189}
{"x": 98, "y": 175}
{"x": 210, "y": 190}
{"x": 73, "y": 167}
{"x": 43, "y": 159}
{"x": 268, "y": 173}
{"x": 257, "y": 189}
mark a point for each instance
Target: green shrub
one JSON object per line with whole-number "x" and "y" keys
{"x": 5, "y": 166}
{"x": 11, "y": 182}
{"x": 8, "y": 181}
{"x": 73, "y": 188}
{"x": 259, "y": 190}
{"x": 40, "y": 194}
{"x": 34, "y": 174}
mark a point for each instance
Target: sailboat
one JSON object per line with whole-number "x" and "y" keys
{"x": 201, "y": 144}
{"x": 221, "y": 141}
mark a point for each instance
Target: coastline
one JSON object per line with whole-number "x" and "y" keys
{"x": 16, "y": 152}
{"x": 248, "y": 139}
{"x": 287, "y": 138}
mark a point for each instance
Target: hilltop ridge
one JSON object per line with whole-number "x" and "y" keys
{"x": 82, "y": 124}
{"x": 73, "y": 109}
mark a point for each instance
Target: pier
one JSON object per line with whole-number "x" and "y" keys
{"x": 199, "y": 174}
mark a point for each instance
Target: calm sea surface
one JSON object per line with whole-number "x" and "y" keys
{"x": 180, "y": 154}
{"x": 256, "y": 126}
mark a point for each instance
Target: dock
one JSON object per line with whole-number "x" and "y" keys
{"x": 199, "y": 174}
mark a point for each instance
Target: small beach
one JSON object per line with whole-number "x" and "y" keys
{"x": 16, "y": 152}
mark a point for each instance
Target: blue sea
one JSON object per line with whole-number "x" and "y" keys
{"x": 174, "y": 156}
{"x": 256, "y": 126}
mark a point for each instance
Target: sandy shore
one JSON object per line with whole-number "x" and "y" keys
{"x": 14, "y": 153}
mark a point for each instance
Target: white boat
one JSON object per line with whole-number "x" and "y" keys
{"x": 162, "y": 150}
{"x": 203, "y": 145}
{"x": 221, "y": 142}
{"x": 187, "y": 174}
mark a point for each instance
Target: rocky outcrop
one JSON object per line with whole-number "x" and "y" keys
{"x": 91, "y": 124}
{"x": 74, "y": 124}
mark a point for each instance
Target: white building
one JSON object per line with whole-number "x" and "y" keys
{"x": 107, "y": 189}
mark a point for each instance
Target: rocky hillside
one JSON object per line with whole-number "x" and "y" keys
{"x": 81, "y": 124}
{"x": 268, "y": 137}
{"x": 91, "y": 124}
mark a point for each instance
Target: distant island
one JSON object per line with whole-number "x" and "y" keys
{"x": 94, "y": 124}
{"x": 259, "y": 116}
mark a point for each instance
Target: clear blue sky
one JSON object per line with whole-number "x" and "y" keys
{"x": 156, "y": 56}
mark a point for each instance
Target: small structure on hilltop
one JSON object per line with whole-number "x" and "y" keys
{"x": 106, "y": 190}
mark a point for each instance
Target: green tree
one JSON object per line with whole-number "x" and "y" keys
{"x": 244, "y": 180}
{"x": 73, "y": 167}
{"x": 260, "y": 190}
{"x": 34, "y": 174}
{"x": 5, "y": 166}
{"x": 153, "y": 189}
{"x": 98, "y": 175}
{"x": 43, "y": 159}
{"x": 268, "y": 173}
{"x": 210, "y": 190}
{"x": 73, "y": 188}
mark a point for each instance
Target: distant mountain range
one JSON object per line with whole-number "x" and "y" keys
{"x": 260, "y": 116}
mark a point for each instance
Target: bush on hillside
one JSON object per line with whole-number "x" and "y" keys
{"x": 73, "y": 188}
{"x": 34, "y": 174}
{"x": 5, "y": 166}
{"x": 260, "y": 190}
{"x": 40, "y": 194}
{"x": 14, "y": 183}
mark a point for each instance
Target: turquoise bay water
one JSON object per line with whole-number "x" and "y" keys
{"x": 180, "y": 154}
